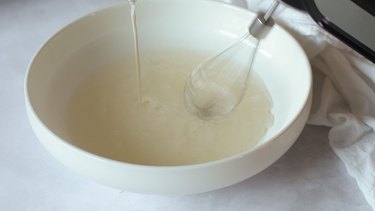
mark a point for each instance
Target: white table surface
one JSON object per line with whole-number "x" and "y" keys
{"x": 308, "y": 177}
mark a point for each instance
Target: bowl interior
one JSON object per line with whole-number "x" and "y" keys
{"x": 206, "y": 26}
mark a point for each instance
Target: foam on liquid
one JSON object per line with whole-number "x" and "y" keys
{"x": 104, "y": 116}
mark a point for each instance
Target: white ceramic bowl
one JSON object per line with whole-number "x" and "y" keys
{"x": 98, "y": 37}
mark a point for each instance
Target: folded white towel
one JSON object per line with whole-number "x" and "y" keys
{"x": 344, "y": 96}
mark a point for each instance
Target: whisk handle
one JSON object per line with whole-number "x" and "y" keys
{"x": 260, "y": 27}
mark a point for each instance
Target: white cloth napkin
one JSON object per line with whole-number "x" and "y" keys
{"x": 344, "y": 93}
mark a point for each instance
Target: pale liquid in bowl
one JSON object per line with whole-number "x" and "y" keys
{"x": 104, "y": 115}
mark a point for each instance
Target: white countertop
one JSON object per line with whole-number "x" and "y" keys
{"x": 308, "y": 177}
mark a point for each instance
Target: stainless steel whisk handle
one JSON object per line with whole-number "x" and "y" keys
{"x": 261, "y": 25}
